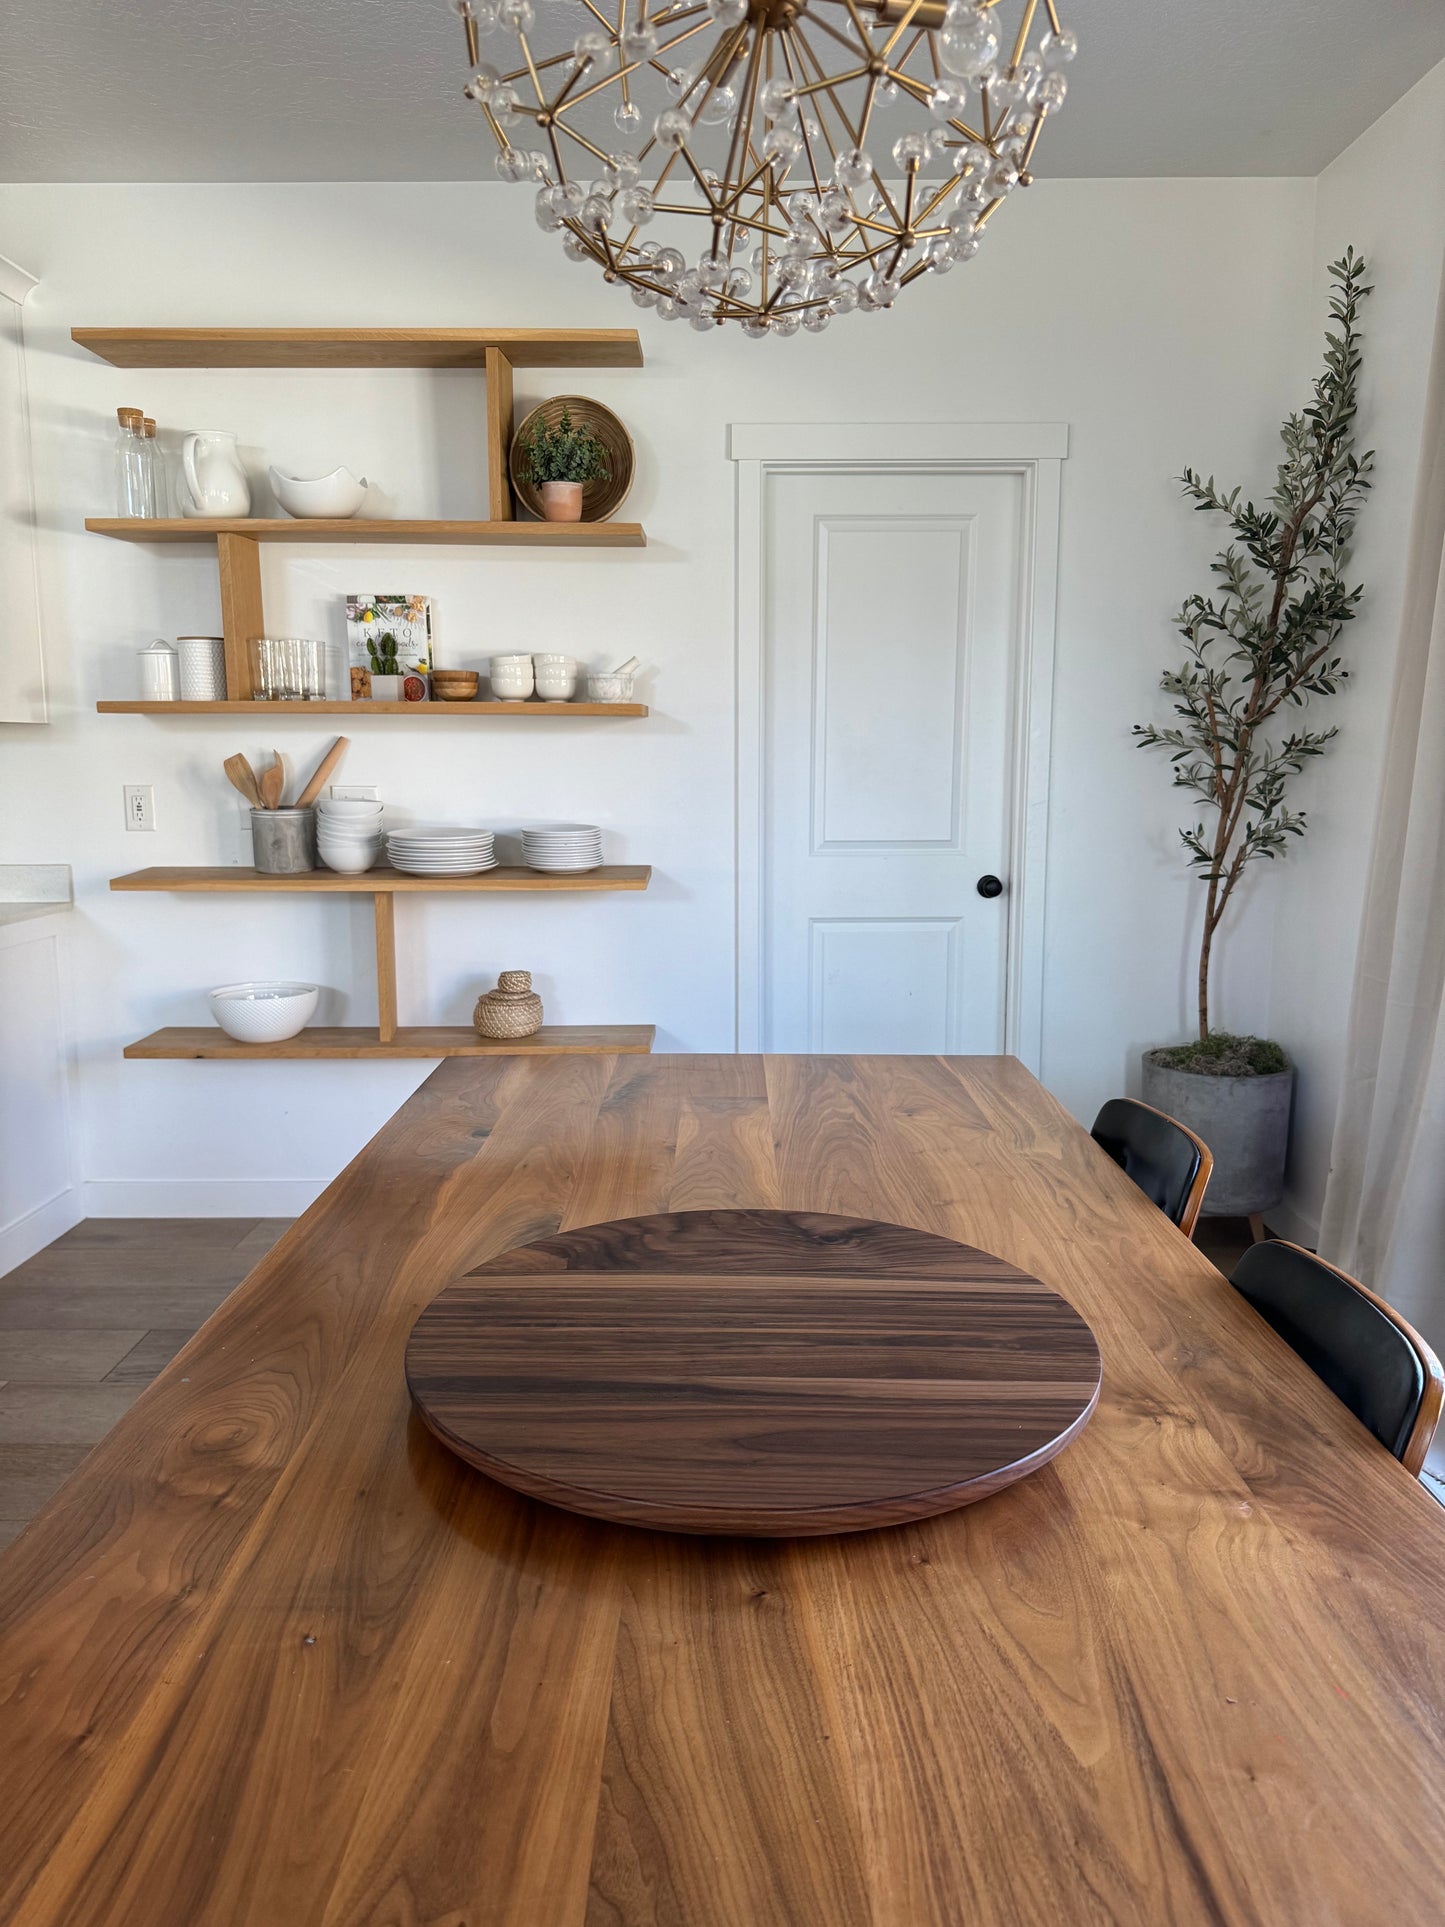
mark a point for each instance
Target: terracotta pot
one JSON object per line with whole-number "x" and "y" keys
{"x": 562, "y": 501}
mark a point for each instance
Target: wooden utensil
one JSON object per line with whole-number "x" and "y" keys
{"x": 324, "y": 770}
{"x": 243, "y": 778}
{"x": 273, "y": 782}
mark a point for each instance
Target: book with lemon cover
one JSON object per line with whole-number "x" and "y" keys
{"x": 388, "y": 642}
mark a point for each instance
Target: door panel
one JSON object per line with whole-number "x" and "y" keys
{"x": 866, "y": 711}
{"x": 892, "y": 610}
{"x": 883, "y": 984}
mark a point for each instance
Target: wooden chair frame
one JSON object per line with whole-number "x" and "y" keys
{"x": 1433, "y": 1398}
{"x": 1194, "y": 1203}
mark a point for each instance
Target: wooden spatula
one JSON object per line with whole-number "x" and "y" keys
{"x": 243, "y": 778}
{"x": 273, "y": 781}
{"x": 324, "y": 771}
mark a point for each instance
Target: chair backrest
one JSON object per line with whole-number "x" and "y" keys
{"x": 1371, "y": 1359}
{"x": 1170, "y": 1165}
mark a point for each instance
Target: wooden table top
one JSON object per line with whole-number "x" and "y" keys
{"x": 775, "y": 1373}
{"x": 275, "y": 1657}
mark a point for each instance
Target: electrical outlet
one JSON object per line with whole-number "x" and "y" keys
{"x": 140, "y": 806}
{"x": 354, "y": 793}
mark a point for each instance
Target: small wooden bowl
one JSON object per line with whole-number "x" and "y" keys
{"x": 599, "y": 499}
{"x": 455, "y": 685}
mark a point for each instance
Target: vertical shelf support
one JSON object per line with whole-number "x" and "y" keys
{"x": 242, "y": 616}
{"x": 384, "y": 905}
{"x": 499, "y": 436}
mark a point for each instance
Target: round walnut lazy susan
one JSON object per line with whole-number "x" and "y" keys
{"x": 510, "y": 1011}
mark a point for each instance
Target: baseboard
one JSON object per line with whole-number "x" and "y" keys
{"x": 200, "y": 1198}
{"x": 39, "y": 1228}
{"x": 1287, "y": 1222}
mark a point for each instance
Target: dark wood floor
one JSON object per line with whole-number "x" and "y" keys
{"x": 86, "y": 1325}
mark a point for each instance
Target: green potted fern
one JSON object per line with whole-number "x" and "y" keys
{"x": 559, "y": 462}
{"x": 1256, "y": 650}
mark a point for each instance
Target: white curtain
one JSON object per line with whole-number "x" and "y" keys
{"x": 1384, "y": 1209}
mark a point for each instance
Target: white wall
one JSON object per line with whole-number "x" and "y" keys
{"x": 1097, "y": 303}
{"x": 1386, "y": 196}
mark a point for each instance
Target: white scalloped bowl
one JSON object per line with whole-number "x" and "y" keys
{"x": 263, "y": 1013}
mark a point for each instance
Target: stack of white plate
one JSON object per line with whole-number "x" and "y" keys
{"x": 562, "y": 846}
{"x": 348, "y": 834}
{"x": 441, "y": 852}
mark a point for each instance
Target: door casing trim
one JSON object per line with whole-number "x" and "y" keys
{"x": 1036, "y": 451}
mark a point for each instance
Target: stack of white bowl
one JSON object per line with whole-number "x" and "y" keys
{"x": 562, "y": 847}
{"x": 441, "y": 852}
{"x": 348, "y": 834}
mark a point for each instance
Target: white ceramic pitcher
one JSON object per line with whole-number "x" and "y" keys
{"x": 214, "y": 476}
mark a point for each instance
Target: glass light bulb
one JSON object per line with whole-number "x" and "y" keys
{"x": 785, "y": 324}
{"x": 727, "y": 13}
{"x": 703, "y": 320}
{"x": 774, "y": 97}
{"x": 968, "y": 42}
{"x": 720, "y": 105}
{"x": 845, "y": 297}
{"x": 672, "y": 127}
{"x": 816, "y": 320}
{"x": 514, "y": 164}
{"x": 910, "y": 151}
{"x": 574, "y": 248}
{"x": 589, "y": 47}
{"x": 518, "y": 16}
{"x": 755, "y": 327}
{"x": 623, "y": 169}
{"x": 596, "y": 213}
{"x": 545, "y": 209}
{"x": 1052, "y": 89}
{"x": 667, "y": 308}
{"x": 627, "y": 115}
{"x": 1058, "y": 49}
{"x": 639, "y": 40}
{"x": 645, "y": 297}
{"x": 668, "y": 264}
{"x": 634, "y": 204}
{"x": 948, "y": 99}
{"x": 782, "y": 144}
{"x": 853, "y": 167}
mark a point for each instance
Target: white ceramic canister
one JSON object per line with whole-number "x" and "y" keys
{"x": 160, "y": 673}
{"x": 203, "y": 668}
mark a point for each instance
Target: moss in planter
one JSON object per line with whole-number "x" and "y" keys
{"x": 1223, "y": 1055}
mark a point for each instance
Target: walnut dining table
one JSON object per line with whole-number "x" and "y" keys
{"x": 274, "y": 1657}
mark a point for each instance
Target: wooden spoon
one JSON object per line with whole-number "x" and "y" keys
{"x": 243, "y": 778}
{"x": 323, "y": 771}
{"x": 273, "y": 781}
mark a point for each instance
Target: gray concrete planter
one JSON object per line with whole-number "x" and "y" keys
{"x": 1245, "y": 1123}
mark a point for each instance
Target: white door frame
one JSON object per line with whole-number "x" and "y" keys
{"x": 1034, "y": 450}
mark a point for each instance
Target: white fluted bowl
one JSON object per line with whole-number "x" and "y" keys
{"x": 264, "y": 1013}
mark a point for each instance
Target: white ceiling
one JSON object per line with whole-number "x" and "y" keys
{"x": 260, "y": 90}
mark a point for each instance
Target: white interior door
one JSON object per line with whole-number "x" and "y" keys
{"x": 892, "y": 603}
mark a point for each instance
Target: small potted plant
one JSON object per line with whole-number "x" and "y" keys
{"x": 560, "y": 461}
{"x": 1255, "y": 651}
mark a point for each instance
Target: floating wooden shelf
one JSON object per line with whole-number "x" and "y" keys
{"x": 552, "y": 1040}
{"x": 361, "y": 347}
{"x": 383, "y": 881}
{"x": 498, "y": 352}
{"x": 515, "y": 535}
{"x": 357, "y": 712}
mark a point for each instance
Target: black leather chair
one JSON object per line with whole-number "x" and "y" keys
{"x": 1170, "y": 1165}
{"x": 1370, "y": 1358}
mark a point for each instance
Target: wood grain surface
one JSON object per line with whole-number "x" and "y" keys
{"x": 274, "y": 1657}
{"x": 608, "y": 876}
{"x": 775, "y": 1373}
{"x": 255, "y": 528}
{"x": 361, "y": 347}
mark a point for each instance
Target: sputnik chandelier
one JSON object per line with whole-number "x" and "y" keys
{"x": 757, "y": 135}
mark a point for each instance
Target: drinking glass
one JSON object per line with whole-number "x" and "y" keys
{"x": 287, "y": 669}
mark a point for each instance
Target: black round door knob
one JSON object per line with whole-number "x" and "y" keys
{"x": 990, "y": 886}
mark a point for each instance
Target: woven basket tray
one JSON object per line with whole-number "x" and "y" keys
{"x": 600, "y": 500}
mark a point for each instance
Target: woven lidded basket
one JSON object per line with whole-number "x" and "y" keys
{"x": 510, "y": 1011}
{"x": 599, "y": 499}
